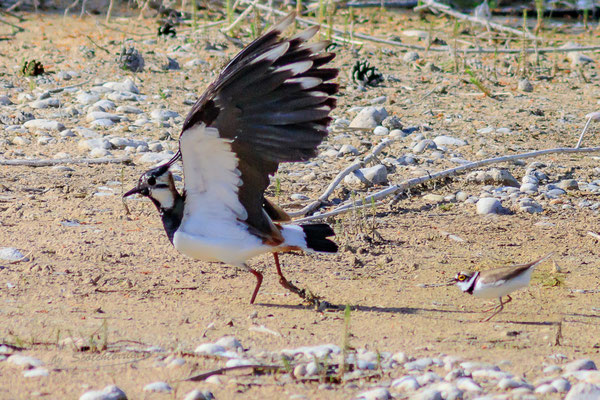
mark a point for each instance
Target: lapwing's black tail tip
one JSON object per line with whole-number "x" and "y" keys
{"x": 316, "y": 238}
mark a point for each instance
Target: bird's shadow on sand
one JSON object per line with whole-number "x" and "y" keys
{"x": 342, "y": 307}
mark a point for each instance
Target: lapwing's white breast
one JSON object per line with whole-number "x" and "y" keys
{"x": 211, "y": 228}
{"x": 490, "y": 288}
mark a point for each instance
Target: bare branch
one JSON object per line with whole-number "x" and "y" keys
{"x": 336, "y": 181}
{"x": 393, "y": 189}
{"x": 64, "y": 161}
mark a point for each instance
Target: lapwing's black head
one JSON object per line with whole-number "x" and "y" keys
{"x": 158, "y": 185}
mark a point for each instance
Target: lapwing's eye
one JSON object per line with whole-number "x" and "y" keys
{"x": 152, "y": 181}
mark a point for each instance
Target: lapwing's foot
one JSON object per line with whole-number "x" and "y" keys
{"x": 313, "y": 300}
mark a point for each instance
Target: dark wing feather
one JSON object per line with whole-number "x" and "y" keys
{"x": 273, "y": 102}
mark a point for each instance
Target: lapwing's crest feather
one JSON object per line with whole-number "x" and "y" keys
{"x": 271, "y": 104}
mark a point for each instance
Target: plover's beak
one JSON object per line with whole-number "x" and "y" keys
{"x": 135, "y": 190}
{"x": 451, "y": 282}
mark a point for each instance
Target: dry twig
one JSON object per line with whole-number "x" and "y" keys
{"x": 393, "y": 189}
{"x": 221, "y": 371}
{"x": 63, "y": 161}
{"x": 339, "y": 177}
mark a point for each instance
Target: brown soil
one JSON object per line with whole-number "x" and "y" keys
{"x": 117, "y": 280}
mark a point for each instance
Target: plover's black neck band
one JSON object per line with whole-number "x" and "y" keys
{"x": 171, "y": 217}
{"x": 473, "y": 282}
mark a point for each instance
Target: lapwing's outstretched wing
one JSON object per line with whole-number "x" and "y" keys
{"x": 270, "y": 104}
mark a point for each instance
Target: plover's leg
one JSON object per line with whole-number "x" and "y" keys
{"x": 497, "y": 308}
{"x": 259, "y": 279}
{"x": 284, "y": 282}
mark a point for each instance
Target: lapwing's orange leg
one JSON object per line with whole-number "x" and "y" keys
{"x": 284, "y": 282}
{"x": 259, "y": 279}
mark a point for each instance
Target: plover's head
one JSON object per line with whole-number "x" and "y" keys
{"x": 158, "y": 185}
{"x": 463, "y": 280}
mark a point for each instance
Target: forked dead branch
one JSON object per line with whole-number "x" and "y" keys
{"x": 375, "y": 198}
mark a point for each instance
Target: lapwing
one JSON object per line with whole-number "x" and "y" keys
{"x": 270, "y": 104}
{"x": 497, "y": 282}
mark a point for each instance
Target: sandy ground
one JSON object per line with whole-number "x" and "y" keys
{"x": 115, "y": 280}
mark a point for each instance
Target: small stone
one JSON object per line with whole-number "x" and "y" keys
{"x": 552, "y": 369}
{"x": 20, "y": 141}
{"x": 490, "y": 205}
{"x": 485, "y": 131}
{"x": 375, "y": 394}
{"x": 410, "y": 56}
{"x": 468, "y": 385}
{"x": 545, "y": 389}
{"x": 427, "y": 378}
{"x": 419, "y": 365}
{"x": 461, "y": 196}
{"x": 199, "y": 395}
{"x": 209, "y": 349}
{"x": 5, "y": 101}
{"x": 568, "y": 184}
{"x": 312, "y": 368}
{"x": 44, "y": 125}
{"x": 196, "y": 62}
{"x": 561, "y": 385}
{"x": 448, "y": 141}
{"x": 214, "y": 380}
{"x": 378, "y": 100}
{"x": 584, "y": 391}
{"x": 525, "y": 85}
{"x": 25, "y": 362}
{"x": 98, "y": 115}
{"x": 229, "y": 343}
{"x": 99, "y": 153}
{"x": 90, "y": 144}
{"x": 392, "y": 122}
{"x": 423, "y": 145}
{"x": 580, "y": 365}
{"x": 126, "y": 86}
{"x": 155, "y": 147}
{"x": 528, "y": 188}
{"x": 433, "y": 198}
{"x": 158, "y": 387}
{"x": 329, "y": 153}
{"x": 299, "y": 197}
{"x": 381, "y": 131}
{"x": 348, "y": 149}
{"x": 367, "y": 176}
{"x": 36, "y": 373}
{"x": 46, "y": 103}
{"x": 87, "y": 98}
{"x": 369, "y": 118}
{"x": 510, "y": 383}
{"x": 503, "y": 177}
{"x": 300, "y": 371}
{"x": 108, "y": 393}
{"x": 162, "y": 114}
{"x": 428, "y": 394}
{"x": 11, "y": 254}
{"x": 400, "y": 357}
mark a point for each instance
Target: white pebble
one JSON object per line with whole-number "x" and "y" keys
{"x": 25, "y": 362}
{"x": 489, "y": 205}
{"x": 375, "y": 394}
{"x": 108, "y": 393}
{"x": 199, "y": 395}
{"x": 36, "y": 373}
{"x": 158, "y": 387}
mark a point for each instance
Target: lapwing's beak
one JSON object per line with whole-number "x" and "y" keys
{"x": 135, "y": 190}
